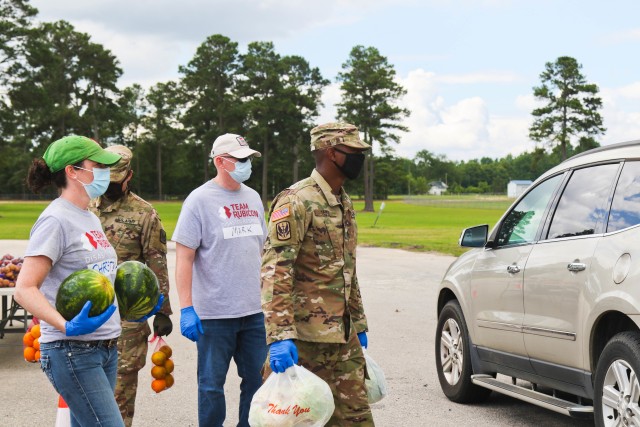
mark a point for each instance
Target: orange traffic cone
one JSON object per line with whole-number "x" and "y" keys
{"x": 63, "y": 418}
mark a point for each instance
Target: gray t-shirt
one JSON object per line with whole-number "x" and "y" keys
{"x": 73, "y": 239}
{"x": 227, "y": 230}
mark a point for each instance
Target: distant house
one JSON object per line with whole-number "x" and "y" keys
{"x": 436, "y": 188}
{"x": 516, "y": 187}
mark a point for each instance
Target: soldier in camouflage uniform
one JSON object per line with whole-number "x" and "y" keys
{"x": 133, "y": 228}
{"x": 310, "y": 294}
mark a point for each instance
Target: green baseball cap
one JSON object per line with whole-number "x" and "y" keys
{"x": 73, "y": 149}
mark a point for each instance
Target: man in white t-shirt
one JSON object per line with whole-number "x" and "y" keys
{"x": 219, "y": 238}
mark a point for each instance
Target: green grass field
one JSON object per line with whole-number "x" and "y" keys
{"x": 416, "y": 223}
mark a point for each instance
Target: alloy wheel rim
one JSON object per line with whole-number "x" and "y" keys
{"x": 621, "y": 395}
{"x": 451, "y": 351}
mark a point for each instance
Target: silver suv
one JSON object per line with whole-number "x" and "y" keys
{"x": 550, "y": 299}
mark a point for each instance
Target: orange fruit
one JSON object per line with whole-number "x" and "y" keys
{"x": 36, "y": 344}
{"x": 169, "y": 380}
{"x": 158, "y": 372}
{"x": 28, "y": 339}
{"x": 166, "y": 350}
{"x": 35, "y": 331}
{"x": 168, "y": 365}
{"x": 37, "y": 356}
{"x": 29, "y": 354}
{"x": 158, "y": 385}
{"x": 158, "y": 358}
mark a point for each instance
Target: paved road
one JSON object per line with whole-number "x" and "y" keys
{"x": 398, "y": 289}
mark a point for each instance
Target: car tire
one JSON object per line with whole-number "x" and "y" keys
{"x": 617, "y": 386}
{"x": 453, "y": 357}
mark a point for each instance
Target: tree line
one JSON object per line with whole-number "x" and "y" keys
{"x": 55, "y": 81}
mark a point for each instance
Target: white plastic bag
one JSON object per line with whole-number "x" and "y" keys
{"x": 376, "y": 384}
{"x": 296, "y": 397}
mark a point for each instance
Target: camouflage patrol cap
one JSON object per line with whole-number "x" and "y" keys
{"x": 337, "y": 133}
{"x": 120, "y": 170}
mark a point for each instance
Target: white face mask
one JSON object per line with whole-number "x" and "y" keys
{"x": 100, "y": 183}
{"x": 242, "y": 172}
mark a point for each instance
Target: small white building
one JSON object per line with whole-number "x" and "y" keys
{"x": 436, "y": 188}
{"x": 516, "y": 187}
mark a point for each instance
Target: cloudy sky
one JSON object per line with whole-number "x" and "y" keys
{"x": 469, "y": 66}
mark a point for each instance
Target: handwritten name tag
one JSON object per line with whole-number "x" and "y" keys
{"x": 242, "y": 231}
{"x": 106, "y": 267}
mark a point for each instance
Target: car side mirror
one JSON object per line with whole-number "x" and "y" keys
{"x": 474, "y": 237}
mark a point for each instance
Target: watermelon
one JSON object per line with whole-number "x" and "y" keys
{"x": 136, "y": 289}
{"x": 80, "y": 287}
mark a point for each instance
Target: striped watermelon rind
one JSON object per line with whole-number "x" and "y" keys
{"x": 80, "y": 287}
{"x": 137, "y": 290}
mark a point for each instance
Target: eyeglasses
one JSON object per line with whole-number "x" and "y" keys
{"x": 237, "y": 160}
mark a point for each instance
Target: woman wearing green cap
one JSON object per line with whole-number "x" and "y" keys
{"x": 78, "y": 356}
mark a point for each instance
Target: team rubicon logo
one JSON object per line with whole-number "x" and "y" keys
{"x": 95, "y": 239}
{"x": 237, "y": 210}
{"x": 224, "y": 212}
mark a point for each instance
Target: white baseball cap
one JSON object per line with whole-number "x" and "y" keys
{"x": 233, "y": 145}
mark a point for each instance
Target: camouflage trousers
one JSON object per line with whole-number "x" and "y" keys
{"x": 342, "y": 366}
{"x": 132, "y": 356}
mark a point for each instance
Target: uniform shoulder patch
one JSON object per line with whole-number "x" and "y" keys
{"x": 283, "y": 230}
{"x": 163, "y": 237}
{"x": 282, "y": 212}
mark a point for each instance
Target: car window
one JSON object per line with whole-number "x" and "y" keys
{"x": 625, "y": 209}
{"x": 521, "y": 224}
{"x": 583, "y": 203}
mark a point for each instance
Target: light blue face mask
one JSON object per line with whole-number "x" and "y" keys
{"x": 242, "y": 172}
{"x": 100, "y": 183}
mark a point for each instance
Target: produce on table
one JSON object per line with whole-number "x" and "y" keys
{"x": 163, "y": 366}
{"x": 136, "y": 289}
{"x": 80, "y": 287}
{"x": 9, "y": 268}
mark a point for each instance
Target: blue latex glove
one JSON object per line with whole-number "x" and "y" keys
{"x": 153, "y": 311}
{"x": 362, "y": 336}
{"x": 190, "y": 325}
{"x": 83, "y": 324}
{"x": 282, "y": 355}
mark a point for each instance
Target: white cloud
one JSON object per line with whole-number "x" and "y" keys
{"x": 240, "y": 20}
{"x": 630, "y": 91}
{"x": 330, "y": 97}
{"x": 463, "y": 130}
{"x": 484, "y": 77}
{"x": 146, "y": 58}
{"x": 632, "y": 35}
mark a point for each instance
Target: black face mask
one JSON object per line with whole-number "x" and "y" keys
{"x": 114, "y": 191}
{"x": 352, "y": 164}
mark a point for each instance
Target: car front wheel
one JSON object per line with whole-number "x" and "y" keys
{"x": 617, "y": 387}
{"x": 453, "y": 358}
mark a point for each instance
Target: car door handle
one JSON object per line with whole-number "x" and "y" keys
{"x": 576, "y": 266}
{"x": 513, "y": 269}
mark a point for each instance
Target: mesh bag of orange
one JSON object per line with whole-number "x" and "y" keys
{"x": 162, "y": 365}
{"x": 31, "y": 342}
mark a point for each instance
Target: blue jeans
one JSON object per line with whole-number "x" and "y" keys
{"x": 84, "y": 374}
{"x": 244, "y": 339}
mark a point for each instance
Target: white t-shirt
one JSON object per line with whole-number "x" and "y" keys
{"x": 227, "y": 230}
{"x": 73, "y": 239}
